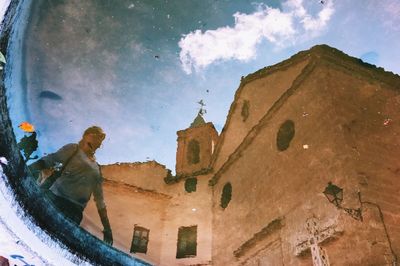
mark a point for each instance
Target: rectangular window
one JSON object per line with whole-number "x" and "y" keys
{"x": 140, "y": 240}
{"x": 187, "y": 242}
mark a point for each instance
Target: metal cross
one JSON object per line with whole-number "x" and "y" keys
{"x": 202, "y": 111}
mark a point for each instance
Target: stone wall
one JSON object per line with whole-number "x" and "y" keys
{"x": 261, "y": 94}
{"x": 369, "y": 122}
{"x": 286, "y": 186}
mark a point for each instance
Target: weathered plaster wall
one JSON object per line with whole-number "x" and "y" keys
{"x": 369, "y": 121}
{"x": 128, "y": 206}
{"x": 163, "y": 214}
{"x": 269, "y": 184}
{"x": 147, "y": 175}
{"x": 261, "y": 93}
{"x": 187, "y": 209}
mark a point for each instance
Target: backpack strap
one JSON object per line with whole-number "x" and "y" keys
{"x": 51, "y": 179}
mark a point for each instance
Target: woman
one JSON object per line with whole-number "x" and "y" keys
{"x": 79, "y": 177}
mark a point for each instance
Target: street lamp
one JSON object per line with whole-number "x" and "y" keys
{"x": 335, "y": 195}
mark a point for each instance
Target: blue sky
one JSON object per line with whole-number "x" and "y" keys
{"x": 137, "y": 68}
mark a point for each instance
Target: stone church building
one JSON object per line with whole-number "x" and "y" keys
{"x": 306, "y": 171}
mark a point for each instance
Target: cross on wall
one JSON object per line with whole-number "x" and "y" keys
{"x": 313, "y": 242}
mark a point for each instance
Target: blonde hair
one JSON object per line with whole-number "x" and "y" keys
{"x": 94, "y": 130}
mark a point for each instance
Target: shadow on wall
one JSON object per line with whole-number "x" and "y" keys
{"x": 37, "y": 209}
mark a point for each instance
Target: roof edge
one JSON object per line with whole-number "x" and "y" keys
{"x": 135, "y": 164}
{"x": 248, "y": 139}
{"x": 320, "y": 50}
{"x": 293, "y": 60}
{"x": 323, "y": 51}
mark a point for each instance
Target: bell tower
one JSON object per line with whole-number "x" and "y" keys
{"x": 196, "y": 145}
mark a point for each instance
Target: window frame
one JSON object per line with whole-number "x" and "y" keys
{"x": 186, "y": 245}
{"x": 139, "y": 248}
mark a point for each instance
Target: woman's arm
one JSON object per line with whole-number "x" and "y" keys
{"x": 102, "y": 210}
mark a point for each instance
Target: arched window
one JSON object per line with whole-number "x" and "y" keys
{"x": 193, "y": 153}
{"x": 245, "y": 110}
{"x": 226, "y": 195}
{"x": 191, "y": 184}
{"x": 285, "y": 135}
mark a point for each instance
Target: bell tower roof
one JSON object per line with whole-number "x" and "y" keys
{"x": 195, "y": 145}
{"x": 198, "y": 121}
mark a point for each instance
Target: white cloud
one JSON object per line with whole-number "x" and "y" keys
{"x": 312, "y": 24}
{"x": 279, "y": 27}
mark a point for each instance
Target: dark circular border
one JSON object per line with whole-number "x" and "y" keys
{"x": 34, "y": 206}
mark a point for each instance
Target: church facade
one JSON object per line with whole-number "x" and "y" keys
{"x": 306, "y": 171}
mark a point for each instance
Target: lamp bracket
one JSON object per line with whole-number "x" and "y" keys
{"x": 354, "y": 213}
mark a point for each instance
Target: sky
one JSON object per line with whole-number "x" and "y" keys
{"x": 138, "y": 68}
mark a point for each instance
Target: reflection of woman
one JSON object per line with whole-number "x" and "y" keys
{"x": 79, "y": 178}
